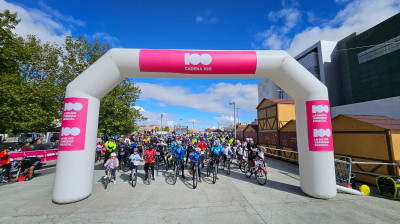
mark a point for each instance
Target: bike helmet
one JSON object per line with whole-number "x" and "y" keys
{"x": 135, "y": 149}
{"x": 198, "y": 149}
{"x": 113, "y": 154}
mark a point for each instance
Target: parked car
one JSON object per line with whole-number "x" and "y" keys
{"x": 30, "y": 136}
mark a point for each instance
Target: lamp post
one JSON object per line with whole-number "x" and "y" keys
{"x": 161, "y": 123}
{"x": 234, "y": 116}
{"x": 180, "y": 129}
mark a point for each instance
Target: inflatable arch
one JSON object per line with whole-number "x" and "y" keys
{"x": 74, "y": 171}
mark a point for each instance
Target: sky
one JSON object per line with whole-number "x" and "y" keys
{"x": 290, "y": 25}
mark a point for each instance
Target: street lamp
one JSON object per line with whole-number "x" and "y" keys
{"x": 161, "y": 123}
{"x": 234, "y": 116}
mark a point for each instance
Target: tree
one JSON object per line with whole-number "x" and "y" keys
{"x": 34, "y": 77}
{"x": 166, "y": 128}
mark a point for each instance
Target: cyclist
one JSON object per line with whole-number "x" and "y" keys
{"x": 195, "y": 158}
{"x": 253, "y": 157}
{"x": 216, "y": 152}
{"x": 110, "y": 147}
{"x": 112, "y": 164}
{"x": 134, "y": 157}
{"x": 161, "y": 149}
{"x": 189, "y": 151}
{"x": 122, "y": 152}
{"x": 227, "y": 152}
{"x": 149, "y": 154}
{"x": 179, "y": 154}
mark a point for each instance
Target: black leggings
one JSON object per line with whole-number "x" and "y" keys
{"x": 7, "y": 168}
{"x": 146, "y": 168}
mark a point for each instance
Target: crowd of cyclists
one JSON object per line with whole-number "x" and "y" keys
{"x": 178, "y": 151}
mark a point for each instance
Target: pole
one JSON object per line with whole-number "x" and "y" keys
{"x": 161, "y": 123}
{"x": 234, "y": 118}
{"x": 193, "y": 127}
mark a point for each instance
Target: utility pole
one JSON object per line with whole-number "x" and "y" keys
{"x": 234, "y": 116}
{"x": 237, "y": 115}
{"x": 161, "y": 123}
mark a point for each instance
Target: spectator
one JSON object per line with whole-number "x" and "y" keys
{"x": 37, "y": 144}
{"x": 26, "y": 147}
{"x": 27, "y": 165}
{"x": 5, "y": 161}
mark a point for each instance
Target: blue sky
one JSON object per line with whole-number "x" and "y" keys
{"x": 290, "y": 25}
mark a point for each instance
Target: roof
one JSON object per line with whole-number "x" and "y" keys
{"x": 254, "y": 126}
{"x": 241, "y": 127}
{"x": 379, "y": 121}
{"x": 278, "y": 101}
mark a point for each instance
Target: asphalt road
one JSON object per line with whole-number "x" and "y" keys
{"x": 233, "y": 199}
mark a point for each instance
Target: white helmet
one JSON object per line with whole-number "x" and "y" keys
{"x": 198, "y": 149}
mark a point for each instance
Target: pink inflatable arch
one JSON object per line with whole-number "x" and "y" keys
{"x": 74, "y": 172}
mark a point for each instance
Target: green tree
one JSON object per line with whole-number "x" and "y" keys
{"x": 34, "y": 77}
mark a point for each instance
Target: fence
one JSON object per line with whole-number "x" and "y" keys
{"x": 343, "y": 165}
{"x": 45, "y": 155}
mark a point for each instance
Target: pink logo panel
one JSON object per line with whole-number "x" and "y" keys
{"x": 73, "y": 125}
{"x": 198, "y": 62}
{"x": 319, "y": 125}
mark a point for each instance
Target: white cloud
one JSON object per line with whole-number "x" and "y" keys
{"x": 206, "y": 18}
{"x": 38, "y": 23}
{"x": 113, "y": 41}
{"x": 357, "y": 16}
{"x": 155, "y": 118}
{"x": 275, "y": 37}
{"x": 55, "y": 13}
{"x": 341, "y": 1}
{"x": 224, "y": 121}
{"x": 215, "y": 99}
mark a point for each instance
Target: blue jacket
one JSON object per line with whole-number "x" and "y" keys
{"x": 217, "y": 150}
{"x": 195, "y": 157}
{"x": 134, "y": 157}
{"x": 179, "y": 152}
{"x": 172, "y": 145}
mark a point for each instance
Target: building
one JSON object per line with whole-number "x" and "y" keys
{"x": 361, "y": 71}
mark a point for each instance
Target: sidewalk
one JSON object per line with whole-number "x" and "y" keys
{"x": 233, "y": 199}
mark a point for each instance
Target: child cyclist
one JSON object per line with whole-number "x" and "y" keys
{"x": 195, "y": 158}
{"x": 150, "y": 160}
{"x": 132, "y": 158}
{"x": 112, "y": 163}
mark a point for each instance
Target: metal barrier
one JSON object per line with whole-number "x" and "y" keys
{"x": 343, "y": 165}
{"x": 343, "y": 170}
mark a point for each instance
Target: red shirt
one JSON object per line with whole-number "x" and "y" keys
{"x": 150, "y": 156}
{"x": 201, "y": 145}
{"x": 4, "y": 158}
{"x": 25, "y": 148}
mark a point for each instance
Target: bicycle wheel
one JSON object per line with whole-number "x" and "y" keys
{"x": 248, "y": 171}
{"x": 157, "y": 163}
{"x": 228, "y": 168}
{"x": 208, "y": 170}
{"x": 261, "y": 176}
{"x": 215, "y": 174}
{"x": 242, "y": 166}
{"x": 175, "y": 174}
{"x": 133, "y": 179}
{"x": 148, "y": 176}
{"x": 195, "y": 178}
{"x": 108, "y": 180}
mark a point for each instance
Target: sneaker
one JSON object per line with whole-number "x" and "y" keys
{"x": 115, "y": 181}
{"x": 105, "y": 177}
{"x": 5, "y": 181}
{"x": 28, "y": 179}
{"x": 183, "y": 177}
{"x": 200, "y": 180}
{"x": 153, "y": 178}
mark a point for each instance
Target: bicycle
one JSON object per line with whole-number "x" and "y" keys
{"x": 109, "y": 177}
{"x": 176, "y": 170}
{"x": 243, "y": 164}
{"x": 195, "y": 175}
{"x": 133, "y": 176}
{"x": 148, "y": 175}
{"x": 259, "y": 170}
{"x": 212, "y": 169}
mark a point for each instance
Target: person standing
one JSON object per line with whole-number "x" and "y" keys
{"x": 37, "y": 144}
{"x": 6, "y": 165}
{"x": 26, "y": 147}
